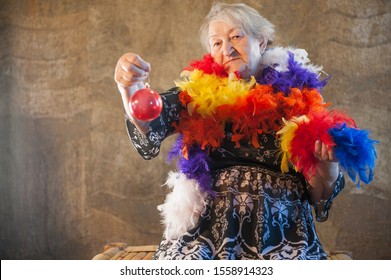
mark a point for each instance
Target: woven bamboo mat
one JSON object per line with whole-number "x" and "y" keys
{"x": 121, "y": 251}
{"x": 339, "y": 255}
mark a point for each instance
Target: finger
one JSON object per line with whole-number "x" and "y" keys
{"x": 134, "y": 76}
{"x": 120, "y": 77}
{"x": 325, "y": 152}
{"x": 122, "y": 81}
{"x": 317, "y": 149}
{"x": 136, "y": 71}
{"x": 129, "y": 72}
{"x": 126, "y": 79}
{"x": 332, "y": 154}
{"x": 136, "y": 60}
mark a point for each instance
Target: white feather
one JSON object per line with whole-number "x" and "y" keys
{"x": 183, "y": 206}
{"x": 277, "y": 58}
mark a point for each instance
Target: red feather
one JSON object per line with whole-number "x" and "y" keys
{"x": 307, "y": 133}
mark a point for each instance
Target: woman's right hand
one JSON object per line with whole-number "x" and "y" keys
{"x": 131, "y": 70}
{"x": 130, "y": 73}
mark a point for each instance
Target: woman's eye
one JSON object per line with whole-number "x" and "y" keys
{"x": 235, "y": 37}
{"x": 216, "y": 44}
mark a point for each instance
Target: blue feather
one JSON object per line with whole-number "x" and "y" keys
{"x": 355, "y": 152}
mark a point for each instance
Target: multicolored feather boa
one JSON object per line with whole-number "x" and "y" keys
{"x": 287, "y": 102}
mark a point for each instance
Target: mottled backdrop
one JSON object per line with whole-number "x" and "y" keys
{"x": 70, "y": 179}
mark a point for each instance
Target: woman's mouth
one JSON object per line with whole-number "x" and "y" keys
{"x": 231, "y": 60}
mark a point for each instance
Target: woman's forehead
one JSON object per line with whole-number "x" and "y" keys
{"x": 217, "y": 26}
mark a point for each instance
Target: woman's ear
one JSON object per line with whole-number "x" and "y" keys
{"x": 262, "y": 44}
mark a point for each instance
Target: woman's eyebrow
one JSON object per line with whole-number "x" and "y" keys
{"x": 229, "y": 31}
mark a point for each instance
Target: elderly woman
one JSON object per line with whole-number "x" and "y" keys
{"x": 230, "y": 198}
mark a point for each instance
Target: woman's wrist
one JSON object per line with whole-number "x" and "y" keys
{"x": 328, "y": 171}
{"x": 323, "y": 182}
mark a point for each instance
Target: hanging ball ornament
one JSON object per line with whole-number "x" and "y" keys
{"x": 146, "y": 104}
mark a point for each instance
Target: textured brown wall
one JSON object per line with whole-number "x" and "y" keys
{"x": 70, "y": 179}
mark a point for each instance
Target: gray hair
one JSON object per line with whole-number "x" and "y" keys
{"x": 252, "y": 22}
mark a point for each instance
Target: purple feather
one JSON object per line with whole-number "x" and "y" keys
{"x": 196, "y": 167}
{"x": 297, "y": 76}
{"x": 176, "y": 149}
{"x": 355, "y": 151}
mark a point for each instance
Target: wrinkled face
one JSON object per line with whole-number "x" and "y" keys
{"x": 234, "y": 49}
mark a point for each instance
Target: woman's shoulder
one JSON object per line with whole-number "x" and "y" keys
{"x": 280, "y": 58}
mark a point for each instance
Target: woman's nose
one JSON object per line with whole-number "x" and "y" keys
{"x": 227, "y": 48}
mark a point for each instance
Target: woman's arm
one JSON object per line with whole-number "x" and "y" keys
{"x": 327, "y": 182}
{"x": 323, "y": 182}
{"x": 148, "y": 144}
{"x": 130, "y": 72}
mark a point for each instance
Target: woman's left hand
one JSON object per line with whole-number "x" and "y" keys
{"x": 323, "y": 153}
{"x": 328, "y": 168}
{"x": 327, "y": 171}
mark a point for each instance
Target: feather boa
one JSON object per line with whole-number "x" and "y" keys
{"x": 251, "y": 108}
{"x": 183, "y": 206}
{"x": 195, "y": 166}
{"x": 353, "y": 148}
{"x": 298, "y": 137}
{"x": 297, "y": 74}
{"x": 286, "y": 99}
{"x": 355, "y": 151}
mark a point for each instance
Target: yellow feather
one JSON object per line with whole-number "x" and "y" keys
{"x": 287, "y": 133}
{"x": 210, "y": 91}
{"x": 284, "y": 163}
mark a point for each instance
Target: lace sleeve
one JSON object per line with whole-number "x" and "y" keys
{"x": 322, "y": 207}
{"x": 148, "y": 145}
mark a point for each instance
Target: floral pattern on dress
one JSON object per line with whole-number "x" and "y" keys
{"x": 243, "y": 222}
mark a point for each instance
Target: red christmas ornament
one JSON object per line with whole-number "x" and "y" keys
{"x": 146, "y": 104}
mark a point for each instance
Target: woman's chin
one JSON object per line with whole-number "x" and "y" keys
{"x": 244, "y": 73}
